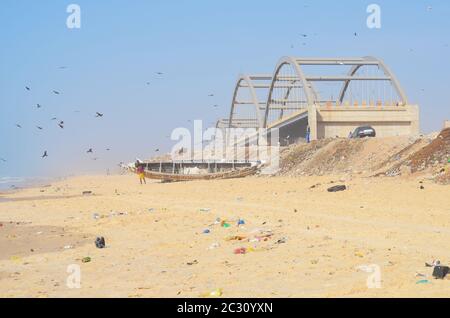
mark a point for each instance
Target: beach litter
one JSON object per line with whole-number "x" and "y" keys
{"x": 282, "y": 241}
{"x": 194, "y": 262}
{"x": 68, "y": 247}
{"x": 338, "y": 188}
{"x": 100, "y": 242}
{"x": 86, "y": 193}
{"x": 205, "y": 210}
{"x": 224, "y": 224}
{"x": 213, "y": 294}
{"x": 214, "y": 246}
{"x": 241, "y": 222}
{"x": 235, "y": 238}
{"x": 206, "y": 231}
{"x": 16, "y": 259}
{"x": 423, "y": 282}
{"x": 151, "y": 210}
{"x": 86, "y": 259}
{"x": 240, "y": 250}
{"x": 433, "y": 263}
{"x": 439, "y": 272}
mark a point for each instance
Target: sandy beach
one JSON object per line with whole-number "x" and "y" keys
{"x": 156, "y": 246}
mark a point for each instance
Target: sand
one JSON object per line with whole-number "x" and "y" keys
{"x": 156, "y": 246}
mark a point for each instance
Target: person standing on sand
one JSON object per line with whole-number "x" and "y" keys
{"x": 140, "y": 172}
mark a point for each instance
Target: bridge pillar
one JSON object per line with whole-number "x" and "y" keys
{"x": 312, "y": 121}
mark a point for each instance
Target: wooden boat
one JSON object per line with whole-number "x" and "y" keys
{"x": 173, "y": 177}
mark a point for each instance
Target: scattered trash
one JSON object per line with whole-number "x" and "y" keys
{"x": 235, "y": 238}
{"x": 337, "y": 188}
{"x": 422, "y": 187}
{"x": 86, "y": 259}
{"x": 100, "y": 242}
{"x": 206, "y": 231}
{"x": 282, "y": 241}
{"x": 440, "y": 272}
{"x": 225, "y": 224}
{"x": 359, "y": 254}
{"x": 215, "y": 293}
{"x": 420, "y": 275}
{"x": 240, "y": 250}
{"x": 423, "y": 281}
{"x": 214, "y": 246}
{"x": 68, "y": 247}
{"x": 241, "y": 222}
{"x": 205, "y": 210}
{"x": 151, "y": 210}
{"x": 96, "y": 216}
{"x": 87, "y": 193}
{"x": 15, "y": 258}
{"x": 194, "y": 262}
{"x": 433, "y": 263}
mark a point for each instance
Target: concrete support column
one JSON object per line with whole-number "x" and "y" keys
{"x": 415, "y": 122}
{"x": 312, "y": 121}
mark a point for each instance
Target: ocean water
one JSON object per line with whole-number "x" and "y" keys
{"x": 11, "y": 183}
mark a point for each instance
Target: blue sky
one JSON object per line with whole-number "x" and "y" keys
{"x": 201, "y": 47}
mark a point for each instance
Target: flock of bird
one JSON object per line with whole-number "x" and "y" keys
{"x": 60, "y": 123}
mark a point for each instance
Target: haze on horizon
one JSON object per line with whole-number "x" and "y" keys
{"x": 111, "y": 66}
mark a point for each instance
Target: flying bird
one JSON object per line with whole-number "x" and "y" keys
{"x": 159, "y": 73}
{"x": 38, "y": 105}
{"x": 304, "y": 35}
{"x": 18, "y": 126}
{"x": 40, "y": 128}
{"x": 61, "y": 124}
{"x": 45, "y": 154}
{"x": 62, "y": 67}
{"x": 211, "y": 95}
{"x": 355, "y": 34}
{"x": 56, "y": 92}
{"x": 1, "y": 159}
{"x": 27, "y": 88}
{"x": 54, "y": 118}
{"x": 98, "y": 114}
{"x": 156, "y": 150}
{"x": 90, "y": 151}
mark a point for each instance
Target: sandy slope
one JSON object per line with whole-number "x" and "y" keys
{"x": 383, "y": 221}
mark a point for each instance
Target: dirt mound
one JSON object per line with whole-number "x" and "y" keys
{"x": 430, "y": 158}
{"x": 346, "y": 156}
{"x": 392, "y": 156}
{"x": 436, "y": 153}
